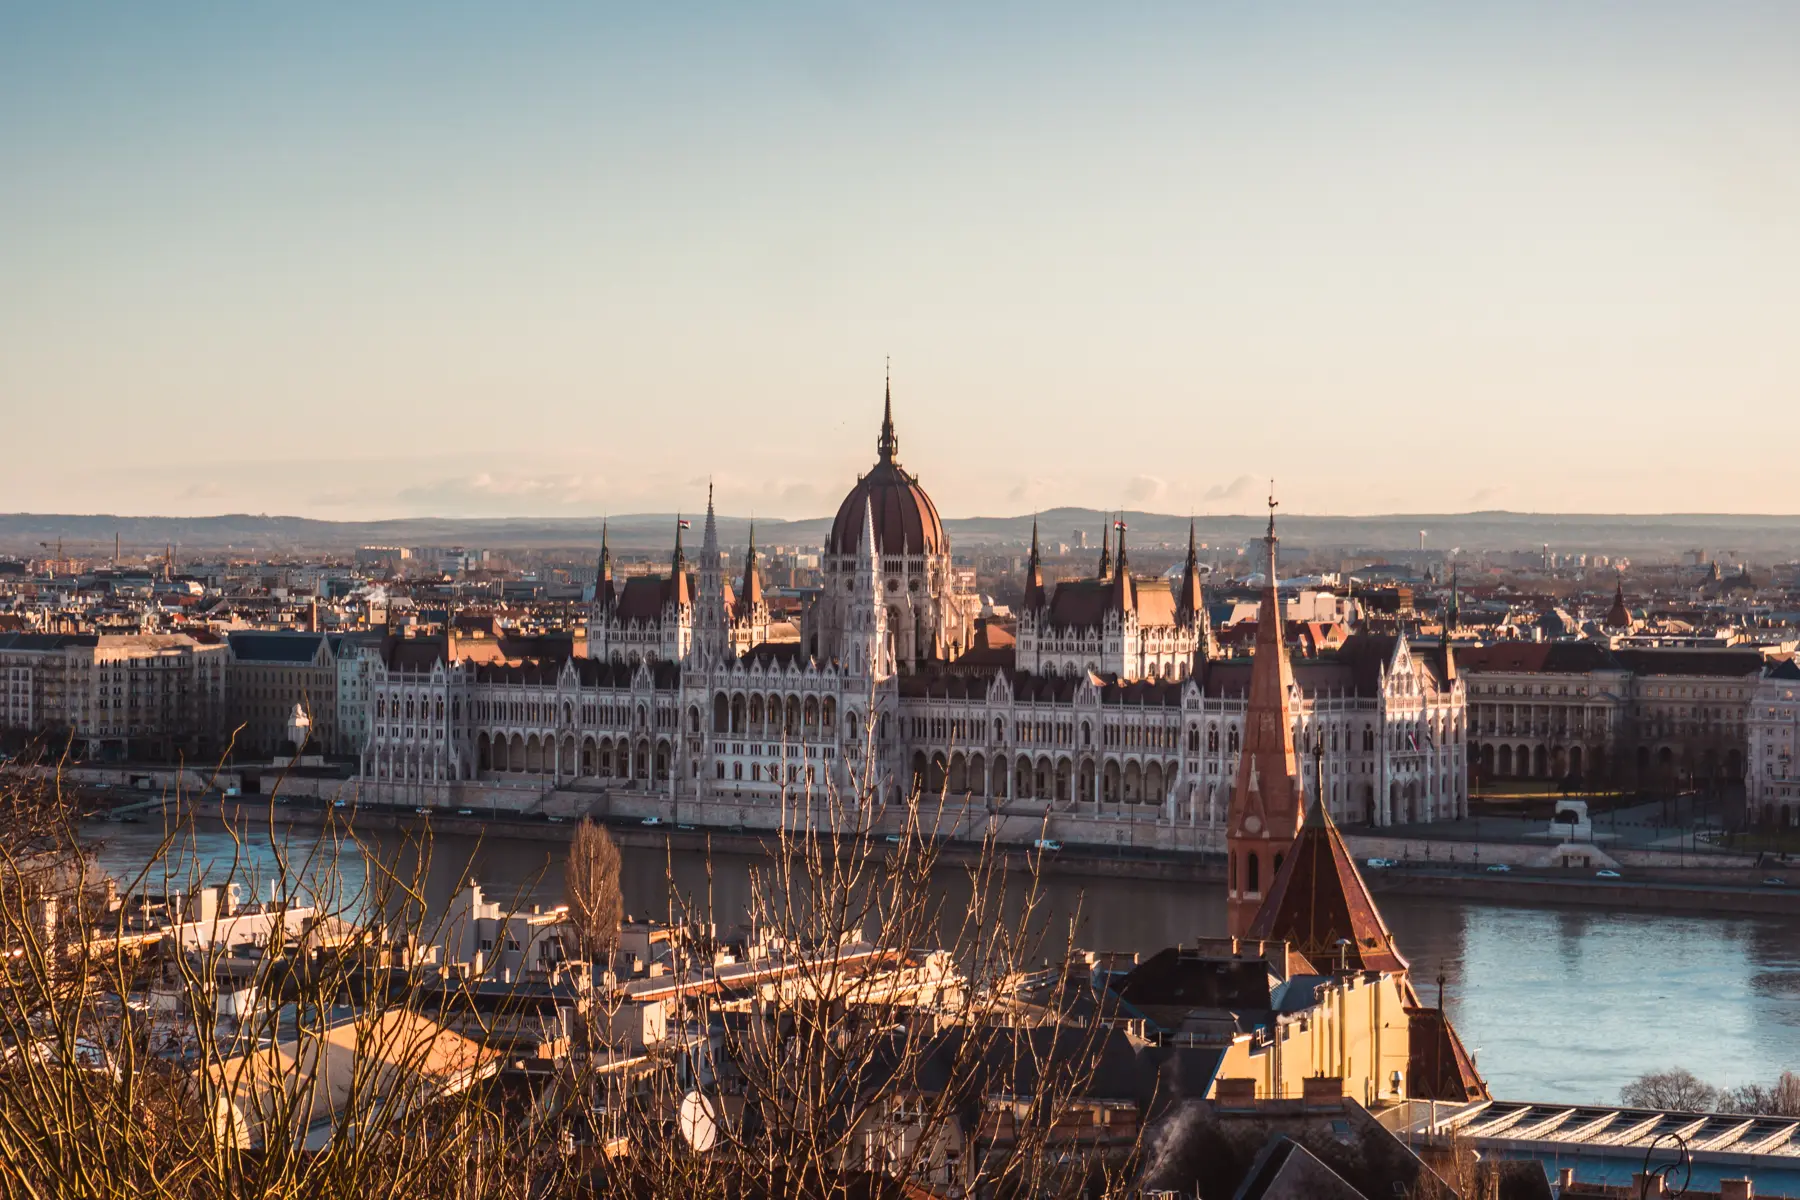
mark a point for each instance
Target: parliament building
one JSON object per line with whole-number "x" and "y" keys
{"x": 1109, "y": 716}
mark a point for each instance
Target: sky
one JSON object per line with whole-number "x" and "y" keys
{"x": 360, "y": 261}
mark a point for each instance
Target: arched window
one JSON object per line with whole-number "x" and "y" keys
{"x": 1212, "y": 739}
{"x": 1254, "y": 875}
{"x": 1231, "y": 742}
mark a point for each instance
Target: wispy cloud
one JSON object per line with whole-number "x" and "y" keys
{"x": 1240, "y": 488}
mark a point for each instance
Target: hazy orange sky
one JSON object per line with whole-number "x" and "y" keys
{"x": 560, "y": 260}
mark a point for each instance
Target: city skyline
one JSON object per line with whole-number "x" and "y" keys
{"x": 450, "y": 263}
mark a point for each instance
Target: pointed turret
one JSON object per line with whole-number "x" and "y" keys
{"x": 1267, "y": 800}
{"x": 1105, "y": 571}
{"x": 1192, "y": 599}
{"x": 1034, "y": 574}
{"x": 1452, "y": 619}
{"x": 604, "y": 593}
{"x": 680, "y": 593}
{"x": 1123, "y": 597}
{"x": 709, "y": 537}
{"x": 751, "y": 593}
{"x": 866, "y": 644}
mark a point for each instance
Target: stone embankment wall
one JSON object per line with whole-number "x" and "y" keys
{"x": 1094, "y": 847}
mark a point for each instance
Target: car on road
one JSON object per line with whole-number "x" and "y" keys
{"x": 688, "y": 828}
{"x": 465, "y": 812}
{"x": 1050, "y": 844}
{"x": 893, "y": 838}
{"x": 1381, "y": 864}
{"x": 1772, "y": 881}
{"x": 340, "y": 804}
{"x": 651, "y": 821}
{"x": 422, "y": 810}
{"x": 554, "y": 820}
{"x": 1499, "y": 869}
{"x": 1607, "y": 875}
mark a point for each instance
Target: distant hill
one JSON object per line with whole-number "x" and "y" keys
{"x": 1661, "y": 535}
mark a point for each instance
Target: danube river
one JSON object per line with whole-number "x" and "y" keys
{"x": 1558, "y": 1004}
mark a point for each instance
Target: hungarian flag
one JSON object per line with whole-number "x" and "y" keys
{"x": 685, "y": 523}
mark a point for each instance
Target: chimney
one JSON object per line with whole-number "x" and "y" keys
{"x": 1565, "y": 1179}
{"x": 1235, "y": 1093}
{"x": 1737, "y": 1189}
{"x": 1648, "y": 1186}
{"x": 1322, "y": 1092}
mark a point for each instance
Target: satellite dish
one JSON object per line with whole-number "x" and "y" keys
{"x": 698, "y": 1120}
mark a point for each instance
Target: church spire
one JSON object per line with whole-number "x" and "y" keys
{"x": 1105, "y": 571}
{"x": 888, "y": 445}
{"x": 1266, "y": 800}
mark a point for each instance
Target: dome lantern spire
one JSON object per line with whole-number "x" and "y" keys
{"x": 888, "y": 445}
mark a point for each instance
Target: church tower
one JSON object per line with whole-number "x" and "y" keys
{"x": 1267, "y": 800}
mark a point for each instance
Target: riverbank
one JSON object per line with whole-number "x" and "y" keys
{"x": 1695, "y": 890}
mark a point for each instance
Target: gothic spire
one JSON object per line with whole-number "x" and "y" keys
{"x": 1105, "y": 571}
{"x": 603, "y": 579}
{"x": 1191, "y": 600}
{"x": 1124, "y": 591}
{"x": 1034, "y": 573}
{"x": 678, "y": 576}
{"x": 1271, "y": 540}
{"x": 709, "y": 541}
{"x": 751, "y": 594}
{"x": 871, "y": 553}
{"x": 887, "y": 445}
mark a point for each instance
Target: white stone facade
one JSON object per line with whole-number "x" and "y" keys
{"x": 1772, "y": 775}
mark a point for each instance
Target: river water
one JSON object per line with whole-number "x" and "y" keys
{"x": 1558, "y": 1004}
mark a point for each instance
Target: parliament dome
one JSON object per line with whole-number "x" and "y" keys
{"x": 906, "y": 521}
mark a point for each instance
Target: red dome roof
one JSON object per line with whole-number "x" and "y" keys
{"x": 906, "y": 521}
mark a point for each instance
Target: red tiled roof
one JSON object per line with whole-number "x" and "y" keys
{"x": 1319, "y": 900}
{"x": 1438, "y": 1066}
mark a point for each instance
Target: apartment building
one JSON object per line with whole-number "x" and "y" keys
{"x": 117, "y": 696}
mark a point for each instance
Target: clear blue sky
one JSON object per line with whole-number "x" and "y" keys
{"x": 390, "y": 259}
